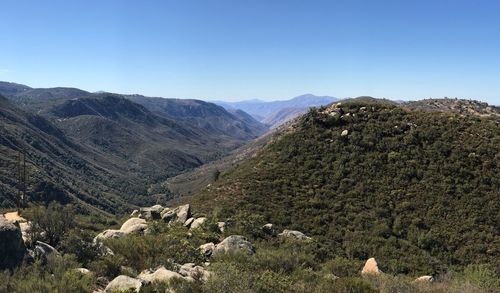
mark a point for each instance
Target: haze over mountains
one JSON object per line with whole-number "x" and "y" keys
{"x": 275, "y": 113}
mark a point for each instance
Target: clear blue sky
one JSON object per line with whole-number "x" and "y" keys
{"x": 270, "y": 49}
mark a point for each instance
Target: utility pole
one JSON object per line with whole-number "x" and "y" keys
{"x": 21, "y": 179}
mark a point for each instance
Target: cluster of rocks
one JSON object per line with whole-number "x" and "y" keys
{"x": 13, "y": 238}
{"x": 189, "y": 272}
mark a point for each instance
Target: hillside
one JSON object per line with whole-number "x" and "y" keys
{"x": 58, "y": 168}
{"x": 207, "y": 116}
{"x": 109, "y": 152}
{"x": 418, "y": 190}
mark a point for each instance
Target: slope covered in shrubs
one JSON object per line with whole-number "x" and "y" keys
{"x": 417, "y": 190}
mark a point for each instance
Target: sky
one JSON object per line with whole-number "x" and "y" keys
{"x": 267, "y": 49}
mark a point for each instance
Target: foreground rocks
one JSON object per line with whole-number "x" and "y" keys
{"x": 12, "y": 247}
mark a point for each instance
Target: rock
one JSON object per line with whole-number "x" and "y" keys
{"x": 135, "y": 214}
{"x": 159, "y": 275}
{"x": 152, "y": 213}
{"x": 222, "y": 226}
{"x": 168, "y": 215}
{"x": 294, "y": 235}
{"x": 12, "y": 247}
{"x": 189, "y": 222}
{"x": 269, "y": 229}
{"x": 134, "y": 225}
{"x": 428, "y": 279}
{"x": 25, "y": 227}
{"x": 109, "y": 234}
{"x": 41, "y": 251}
{"x": 83, "y": 271}
{"x": 207, "y": 249}
{"x": 180, "y": 214}
{"x": 183, "y": 213}
{"x": 234, "y": 243}
{"x": 194, "y": 272}
{"x": 123, "y": 283}
{"x": 198, "y": 222}
{"x": 371, "y": 267}
{"x": 345, "y": 132}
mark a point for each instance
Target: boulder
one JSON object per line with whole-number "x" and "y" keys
{"x": 183, "y": 213}
{"x": 194, "y": 272}
{"x": 345, "y": 132}
{"x": 180, "y": 214}
{"x": 151, "y": 213}
{"x": 134, "y": 225}
{"x": 371, "y": 267}
{"x": 198, "y": 222}
{"x": 135, "y": 214}
{"x": 222, "y": 226}
{"x": 83, "y": 271}
{"x": 189, "y": 222}
{"x": 428, "y": 279}
{"x": 12, "y": 247}
{"x": 234, "y": 243}
{"x": 41, "y": 251}
{"x": 168, "y": 215}
{"x": 294, "y": 235}
{"x": 269, "y": 229}
{"x": 123, "y": 283}
{"x": 25, "y": 227}
{"x": 161, "y": 274}
{"x": 207, "y": 249}
{"x": 109, "y": 234}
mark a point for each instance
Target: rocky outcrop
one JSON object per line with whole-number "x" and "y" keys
{"x": 371, "y": 267}
{"x": 109, "y": 234}
{"x": 151, "y": 213}
{"x": 134, "y": 225}
{"x": 234, "y": 243}
{"x": 198, "y": 222}
{"x": 207, "y": 249}
{"x": 12, "y": 247}
{"x": 123, "y": 283}
{"x": 293, "y": 234}
{"x": 180, "y": 214}
{"x": 193, "y": 272}
{"x": 161, "y": 274}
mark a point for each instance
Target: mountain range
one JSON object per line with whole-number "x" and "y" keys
{"x": 110, "y": 150}
{"x": 275, "y": 113}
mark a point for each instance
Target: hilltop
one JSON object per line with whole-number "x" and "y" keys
{"x": 374, "y": 178}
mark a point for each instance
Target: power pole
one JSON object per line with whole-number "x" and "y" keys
{"x": 21, "y": 179}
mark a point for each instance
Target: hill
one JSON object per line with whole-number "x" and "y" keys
{"x": 207, "y": 116}
{"x": 416, "y": 189}
{"x": 58, "y": 168}
{"x": 264, "y": 111}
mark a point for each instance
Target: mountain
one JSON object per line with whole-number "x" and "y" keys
{"x": 58, "y": 168}
{"x": 204, "y": 115}
{"x": 415, "y": 188}
{"x": 264, "y": 111}
{"x": 121, "y": 145}
{"x": 282, "y": 116}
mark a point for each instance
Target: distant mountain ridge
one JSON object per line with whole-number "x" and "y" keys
{"x": 263, "y": 111}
